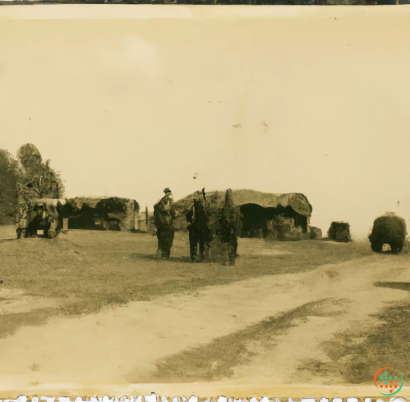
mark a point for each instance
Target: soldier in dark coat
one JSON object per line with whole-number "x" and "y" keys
{"x": 164, "y": 216}
{"x": 230, "y": 226}
{"x": 198, "y": 218}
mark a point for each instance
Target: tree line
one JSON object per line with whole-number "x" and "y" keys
{"x": 28, "y": 170}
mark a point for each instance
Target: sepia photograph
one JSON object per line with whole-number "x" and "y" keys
{"x": 204, "y": 200}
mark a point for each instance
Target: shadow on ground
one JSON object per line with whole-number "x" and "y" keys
{"x": 143, "y": 256}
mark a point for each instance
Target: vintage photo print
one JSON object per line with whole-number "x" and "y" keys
{"x": 204, "y": 200}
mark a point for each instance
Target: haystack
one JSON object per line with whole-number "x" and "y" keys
{"x": 315, "y": 233}
{"x": 265, "y": 215}
{"x": 388, "y": 229}
{"x": 339, "y": 231}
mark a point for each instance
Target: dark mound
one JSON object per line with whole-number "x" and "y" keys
{"x": 339, "y": 231}
{"x": 388, "y": 229}
{"x": 315, "y": 233}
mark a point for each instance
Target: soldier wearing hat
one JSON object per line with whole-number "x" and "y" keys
{"x": 164, "y": 216}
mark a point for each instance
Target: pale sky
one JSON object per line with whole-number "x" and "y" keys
{"x": 127, "y": 107}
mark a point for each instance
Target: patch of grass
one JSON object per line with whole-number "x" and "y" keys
{"x": 94, "y": 269}
{"x": 217, "y": 359}
{"x": 394, "y": 285}
{"x": 11, "y": 322}
{"x": 332, "y": 274}
{"x": 357, "y": 354}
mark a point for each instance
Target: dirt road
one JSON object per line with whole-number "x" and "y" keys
{"x": 259, "y": 330}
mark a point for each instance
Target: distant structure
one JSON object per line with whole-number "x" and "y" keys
{"x": 143, "y": 221}
{"x": 118, "y": 214}
{"x": 265, "y": 215}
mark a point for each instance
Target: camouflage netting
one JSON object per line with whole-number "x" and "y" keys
{"x": 339, "y": 231}
{"x": 265, "y": 215}
{"x": 388, "y": 229}
{"x": 112, "y": 213}
{"x": 24, "y": 181}
{"x": 45, "y": 181}
{"x": 43, "y": 213}
{"x": 29, "y": 157}
{"x": 298, "y": 202}
{"x": 285, "y": 229}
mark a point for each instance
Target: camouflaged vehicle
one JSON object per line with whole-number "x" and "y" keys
{"x": 45, "y": 215}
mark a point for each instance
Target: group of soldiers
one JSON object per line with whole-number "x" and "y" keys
{"x": 207, "y": 225}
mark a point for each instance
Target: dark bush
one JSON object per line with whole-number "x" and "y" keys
{"x": 339, "y": 231}
{"x": 315, "y": 233}
{"x": 388, "y": 229}
{"x": 9, "y": 177}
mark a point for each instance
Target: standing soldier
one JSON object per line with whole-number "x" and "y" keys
{"x": 164, "y": 216}
{"x": 198, "y": 218}
{"x": 230, "y": 222}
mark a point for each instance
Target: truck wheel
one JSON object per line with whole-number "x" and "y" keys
{"x": 52, "y": 234}
{"x": 396, "y": 247}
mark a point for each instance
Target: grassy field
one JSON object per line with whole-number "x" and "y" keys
{"x": 358, "y": 353}
{"x": 337, "y": 285}
{"x": 87, "y": 270}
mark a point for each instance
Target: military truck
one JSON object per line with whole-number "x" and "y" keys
{"x": 45, "y": 215}
{"x": 388, "y": 229}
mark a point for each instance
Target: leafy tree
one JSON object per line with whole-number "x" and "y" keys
{"x": 10, "y": 175}
{"x": 47, "y": 182}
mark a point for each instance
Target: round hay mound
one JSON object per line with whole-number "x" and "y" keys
{"x": 315, "y": 233}
{"x": 339, "y": 231}
{"x": 388, "y": 229}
